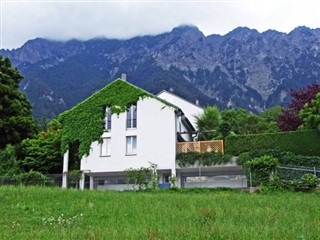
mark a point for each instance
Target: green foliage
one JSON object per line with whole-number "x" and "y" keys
{"x": 139, "y": 176}
{"x": 299, "y": 142}
{"x": 74, "y": 177}
{"x": 173, "y": 180}
{"x": 242, "y": 122}
{"x": 154, "y": 176}
{"x": 84, "y": 122}
{"x": 310, "y": 114}
{"x": 16, "y": 121}
{"x": 285, "y": 158}
{"x": 209, "y": 120}
{"x": 43, "y": 152}
{"x": 308, "y": 182}
{"x": 224, "y": 130}
{"x": 9, "y": 164}
{"x": 33, "y": 178}
{"x": 271, "y": 114}
{"x": 204, "y": 159}
{"x": 285, "y": 179}
{"x": 262, "y": 168}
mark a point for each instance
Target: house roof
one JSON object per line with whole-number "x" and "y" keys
{"x": 165, "y": 91}
{"x": 84, "y": 122}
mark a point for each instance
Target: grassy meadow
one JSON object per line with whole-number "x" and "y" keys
{"x": 53, "y": 213}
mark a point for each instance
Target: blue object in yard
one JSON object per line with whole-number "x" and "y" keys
{"x": 164, "y": 185}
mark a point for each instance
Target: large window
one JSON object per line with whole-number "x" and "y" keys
{"x": 132, "y": 117}
{"x": 131, "y": 148}
{"x": 105, "y": 147}
{"x": 107, "y": 118}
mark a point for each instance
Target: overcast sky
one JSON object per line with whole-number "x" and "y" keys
{"x": 56, "y": 19}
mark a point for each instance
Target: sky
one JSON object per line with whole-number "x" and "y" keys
{"x": 22, "y": 20}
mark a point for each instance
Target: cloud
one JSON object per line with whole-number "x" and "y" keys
{"x": 22, "y": 21}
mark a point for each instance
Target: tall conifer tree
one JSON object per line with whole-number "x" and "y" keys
{"x": 16, "y": 121}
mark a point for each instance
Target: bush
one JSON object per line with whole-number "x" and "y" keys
{"x": 285, "y": 158}
{"x": 298, "y": 142}
{"x": 308, "y": 182}
{"x": 262, "y": 168}
{"x": 205, "y": 159}
{"x": 33, "y": 178}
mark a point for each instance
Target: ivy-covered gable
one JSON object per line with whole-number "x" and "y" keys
{"x": 84, "y": 122}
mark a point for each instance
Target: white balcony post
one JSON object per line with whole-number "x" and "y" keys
{"x": 82, "y": 181}
{"x": 65, "y": 169}
{"x": 91, "y": 182}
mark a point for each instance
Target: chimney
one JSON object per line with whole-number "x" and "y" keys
{"x": 197, "y": 102}
{"x": 124, "y": 77}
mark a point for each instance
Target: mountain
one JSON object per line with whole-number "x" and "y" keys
{"x": 244, "y": 68}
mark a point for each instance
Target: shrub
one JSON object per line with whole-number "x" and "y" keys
{"x": 140, "y": 176}
{"x": 262, "y": 168}
{"x": 308, "y": 182}
{"x": 205, "y": 159}
{"x": 298, "y": 142}
{"x": 285, "y": 158}
{"x": 33, "y": 178}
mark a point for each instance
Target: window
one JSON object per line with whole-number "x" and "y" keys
{"x": 132, "y": 117}
{"x": 105, "y": 147}
{"x": 107, "y": 118}
{"x": 131, "y": 145}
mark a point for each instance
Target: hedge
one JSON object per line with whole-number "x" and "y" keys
{"x": 305, "y": 142}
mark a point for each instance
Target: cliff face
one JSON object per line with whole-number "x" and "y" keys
{"x": 243, "y": 68}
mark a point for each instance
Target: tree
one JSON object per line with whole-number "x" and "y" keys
{"x": 208, "y": 123}
{"x": 310, "y": 114}
{"x": 271, "y": 114}
{"x": 242, "y": 122}
{"x": 9, "y": 165}
{"x": 16, "y": 121}
{"x": 43, "y": 152}
{"x": 290, "y": 120}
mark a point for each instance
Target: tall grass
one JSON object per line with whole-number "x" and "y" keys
{"x": 51, "y": 213}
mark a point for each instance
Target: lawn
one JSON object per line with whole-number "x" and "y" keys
{"x": 53, "y": 213}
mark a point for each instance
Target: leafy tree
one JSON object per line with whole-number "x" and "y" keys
{"x": 310, "y": 114}
{"x": 271, "y": 114}
{"x": 242, "y": 122}
{"x": 9, "y": 165}
{"x": 43, "y": 152}
{"x": 290, "y": 120}
{"x": 208, "y": 123}
{"x": 16, "y": 121}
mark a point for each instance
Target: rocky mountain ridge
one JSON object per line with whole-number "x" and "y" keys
{"x": 243, "y": 68}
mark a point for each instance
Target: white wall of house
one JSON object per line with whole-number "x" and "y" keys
{"x": 188, "y": 108}
{"x": 156, "y": 140}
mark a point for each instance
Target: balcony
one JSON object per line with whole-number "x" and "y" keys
{"x": 201, "y": 146}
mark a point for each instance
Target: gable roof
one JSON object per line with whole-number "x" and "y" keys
{"x": 84, "y": 122}
{"x": 168, "y": 92}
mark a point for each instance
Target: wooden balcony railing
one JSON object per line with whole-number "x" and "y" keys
{"x": 201, "y": 146}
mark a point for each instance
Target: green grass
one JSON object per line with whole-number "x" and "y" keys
{"x": 33, "y": 213}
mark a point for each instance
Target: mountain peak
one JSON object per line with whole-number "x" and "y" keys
{"x": 187, "y": 31}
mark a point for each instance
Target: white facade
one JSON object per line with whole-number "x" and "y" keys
{"x": 189, "y": 109}
{"x": 155, "y": 141}
{"x": 152, "y": 140}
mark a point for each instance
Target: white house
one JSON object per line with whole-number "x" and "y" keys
{"x": 136, "y": 129}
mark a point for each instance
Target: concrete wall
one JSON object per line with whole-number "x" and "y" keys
{"x": 156, "y": 140}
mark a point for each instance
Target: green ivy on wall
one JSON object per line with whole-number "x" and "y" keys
{"x": 84, "y": 122}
